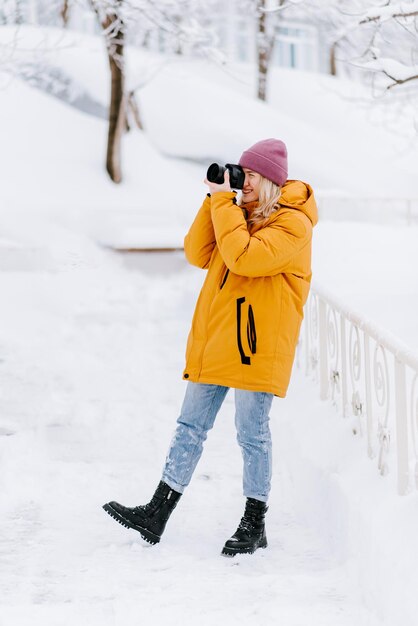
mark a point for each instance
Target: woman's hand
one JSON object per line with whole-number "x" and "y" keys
{"x": 214, "y": 188}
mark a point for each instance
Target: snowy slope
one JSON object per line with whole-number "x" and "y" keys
{"x": 91, "y": 390}
{"x": 54, "y": 161}
{"x": 90, "y": 403}
{"x": 52, "y": 165}
{"x": 195, "y": 110}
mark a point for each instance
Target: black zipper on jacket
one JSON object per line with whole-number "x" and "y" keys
{"x": 245, "y": 360}
{"x": 251, "y": 334}
{"x": 224, "y": 279}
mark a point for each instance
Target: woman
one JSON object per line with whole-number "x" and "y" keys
{"x": 244, "y": 332}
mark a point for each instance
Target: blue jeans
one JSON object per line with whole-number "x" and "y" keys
{"x": 200, "y": 407}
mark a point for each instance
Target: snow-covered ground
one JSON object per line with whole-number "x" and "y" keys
{"x": 90, "y": 394}
{"x": 91, "y": 355}
{"x": 91, "y": 388}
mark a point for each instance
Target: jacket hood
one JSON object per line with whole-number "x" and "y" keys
{"x": 299, "y": 195}
{"x": 295, "y": 195}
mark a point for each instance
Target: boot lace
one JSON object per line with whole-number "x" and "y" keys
{"x": 150, "y": 506}
{"x": 252, "y": 519}
{"x": 246, "y": 524}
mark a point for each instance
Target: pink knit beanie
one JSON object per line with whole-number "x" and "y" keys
{"x": 268, "y": 158}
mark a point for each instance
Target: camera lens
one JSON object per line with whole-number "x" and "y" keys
{"x": 215, "y": 173}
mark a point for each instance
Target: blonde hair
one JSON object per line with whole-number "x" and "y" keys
{"x": 268, "y": 201}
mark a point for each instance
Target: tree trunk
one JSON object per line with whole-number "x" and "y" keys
{"x": 117, "y": 109}
{"x": 265, "y": 44}
{"x": 133, "y": 105}
{"x": 332, "y": 61}
{"x": 65, "y": 12}
{"x": 113, "y": 26}
{"x": 262, "y": 54}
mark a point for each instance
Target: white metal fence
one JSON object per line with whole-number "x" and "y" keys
{"x": 371, "y": 377}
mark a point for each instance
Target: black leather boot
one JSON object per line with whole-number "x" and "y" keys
{"x": 251, "y": 532}
{"x": 149, "y": 519}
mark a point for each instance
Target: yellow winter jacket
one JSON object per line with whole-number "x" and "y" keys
{"x": 247, "y": 318}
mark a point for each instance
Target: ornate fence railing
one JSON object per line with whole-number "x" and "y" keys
{"x": 371, "y": 378}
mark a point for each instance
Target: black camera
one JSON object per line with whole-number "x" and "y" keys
{"x": 215, "y": 174}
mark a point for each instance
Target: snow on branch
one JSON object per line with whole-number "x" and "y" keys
{"x": 378, "y": 30}
{"x": 378, "y": 15}
{"x": 176, "y": 19}
{"x": 397, "y": 72}
{"x": 279, "y": 5}
{"x": 390, "y": 11}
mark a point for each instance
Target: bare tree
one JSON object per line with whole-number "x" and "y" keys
{"x": 266, "y": 33}
{"x": 372, "y": 41}
{"x": 394, "y": 23}
{"x": 65, "y": 12}
{"x": 134, "y": 109}
{"x": 380, "y": 38}
{"x": 128, "y": 20}
{"x": 268, "y": 23}
{"x": 111, "y": 20}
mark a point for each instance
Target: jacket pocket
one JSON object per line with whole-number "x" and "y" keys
{"x": 251, "y": 332}
{"x": 223, "y": 281}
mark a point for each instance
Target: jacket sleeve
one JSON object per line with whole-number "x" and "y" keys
{"x": 268, "y": 251}
{"x": 200, "y": 240}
